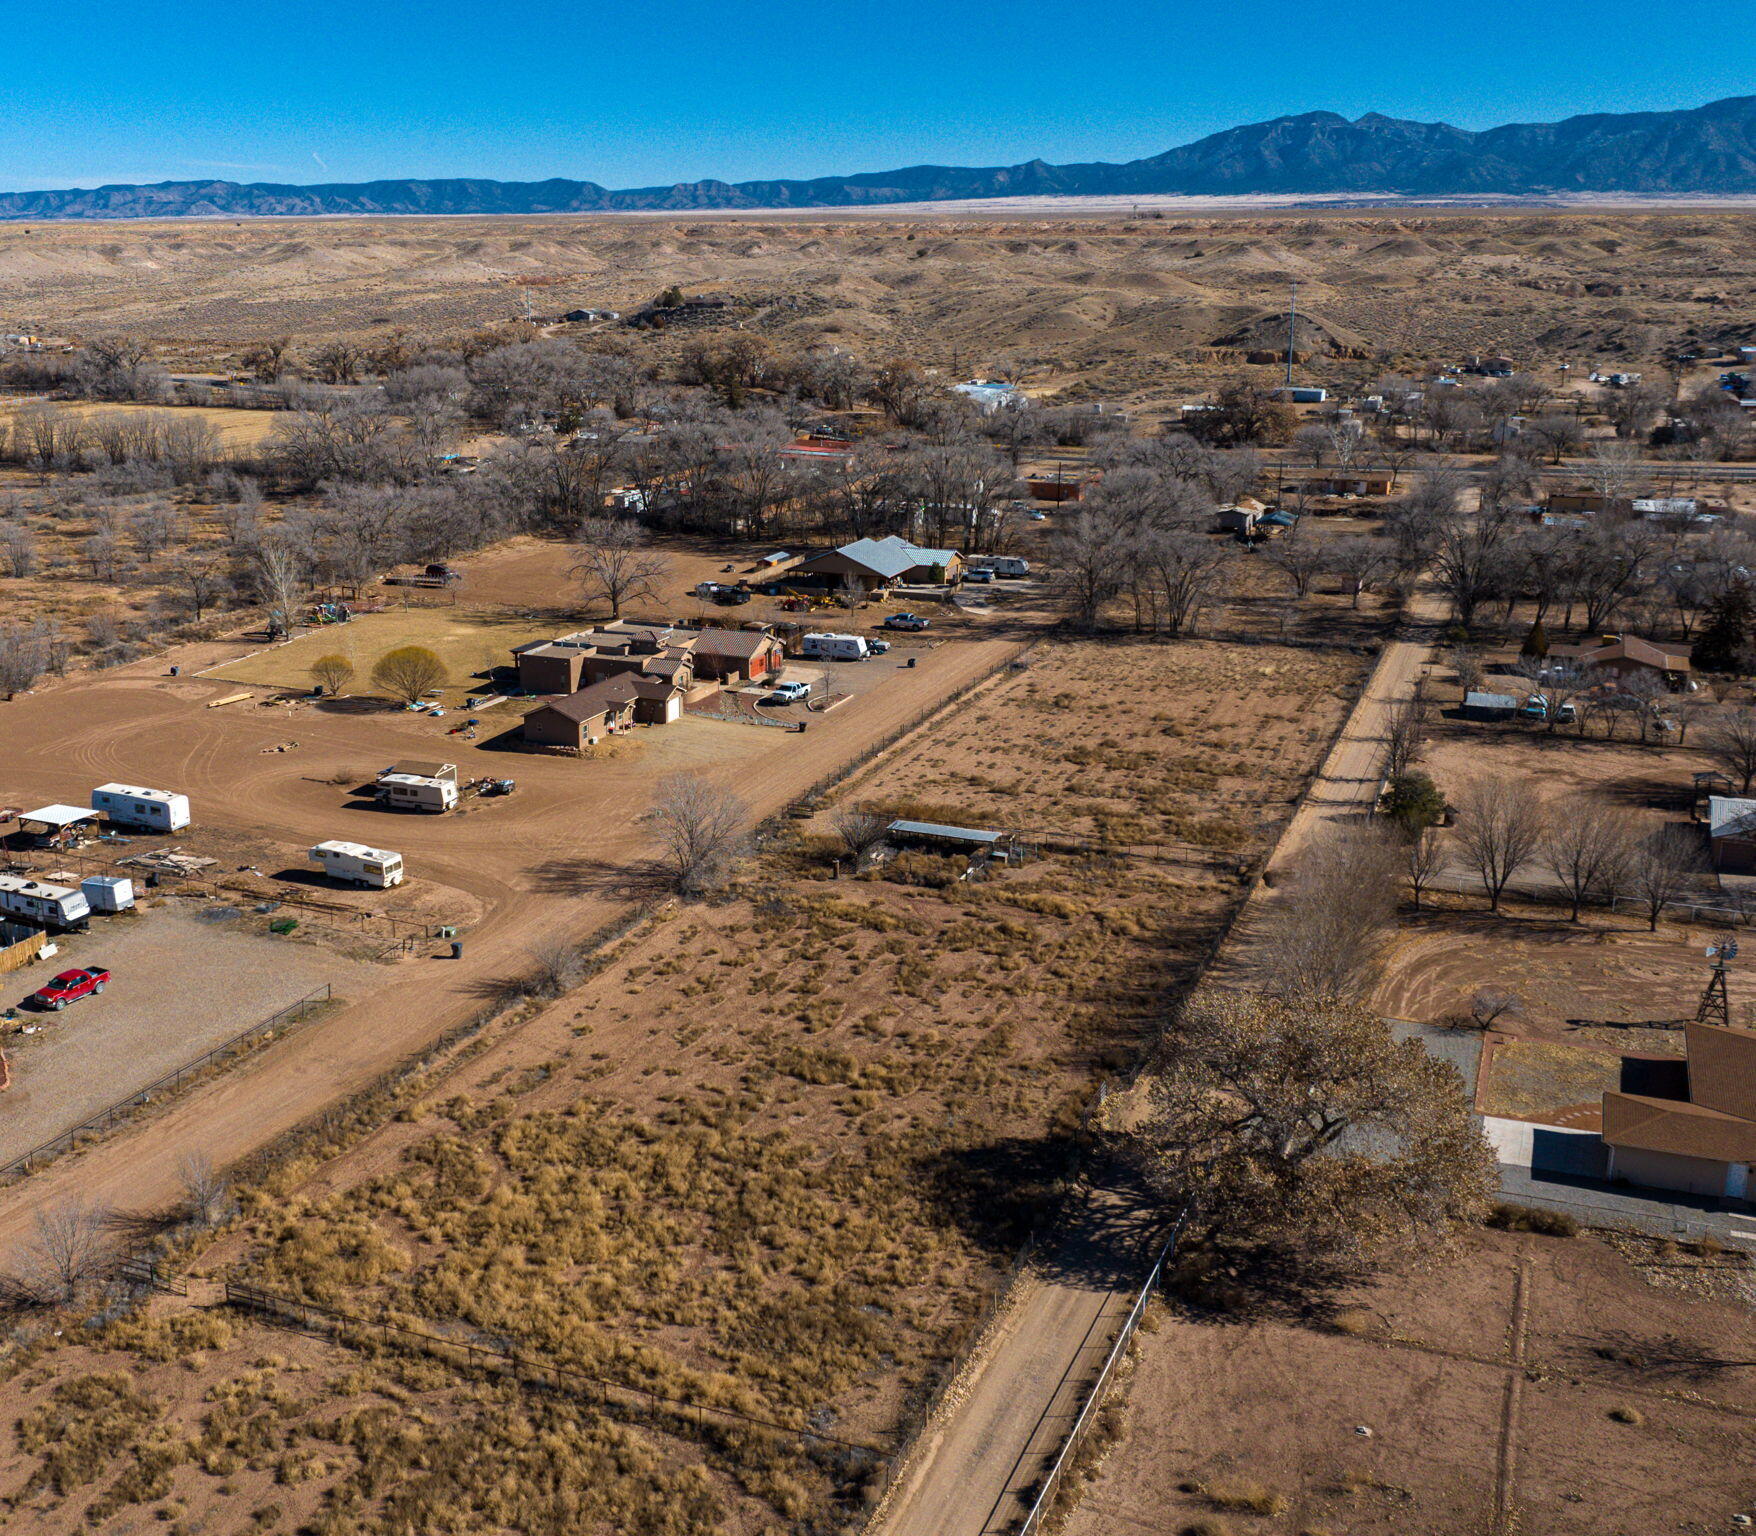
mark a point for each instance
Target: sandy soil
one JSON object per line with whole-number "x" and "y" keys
{"x": 1488, "y": 1385}
{"x": 1121, "y": 299}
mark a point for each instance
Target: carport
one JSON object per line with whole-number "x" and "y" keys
{"x": 59, "y": 826}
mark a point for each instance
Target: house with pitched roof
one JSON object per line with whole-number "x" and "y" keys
{"x": 1625, "y": 655}
{"x": 1692, "y": 1129}
{"x": 1731, "y": 834}
{"x": 882, "y": 562}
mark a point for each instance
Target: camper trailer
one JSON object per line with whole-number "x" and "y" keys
{"x": 356, "y": 864}
{"x": 50, "y": 906}
{"x": 835, "y": 647}
{"x": 416, "y": 792}
{"x": 150, "y": 810}
{"x": 1006, "y": 565}
{"x": 108, "y": 893}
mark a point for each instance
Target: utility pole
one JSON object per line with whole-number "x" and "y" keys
{"x": 1292, "y": 317}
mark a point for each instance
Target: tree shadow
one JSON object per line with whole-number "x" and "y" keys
{"x": 1664, "y": 1358}
{"x": 358, "y": 704}
{"x": 642, "y": 880}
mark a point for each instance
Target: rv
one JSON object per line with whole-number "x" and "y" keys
{"x": 356, "y": 864}
{"x": 416, "y": 792}
{"x": 835, "y": 647}
{"x": 151, "y": 810}
{"x": 108, "y": 893}
{"x": 1006, "y": 565}
{"x": 51, "y": 906}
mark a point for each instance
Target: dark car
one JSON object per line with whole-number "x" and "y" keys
{"x": 731, "y": 597}
{"x": 70, "y": 986}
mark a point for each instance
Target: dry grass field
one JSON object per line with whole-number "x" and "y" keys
{"x": 1126, "y": 306}
{"x": 238, "y": 430}
{"x": 1527, "y": 1384}
{"x": 770, "y": 1158}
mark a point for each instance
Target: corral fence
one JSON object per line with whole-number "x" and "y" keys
{"x": 307, "y": 1317}
{"x": 144, "y": 1272}
{"x": 1044, "y": 1500}
{"x": 169, "y": 1083}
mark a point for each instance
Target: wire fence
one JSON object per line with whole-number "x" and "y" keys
{"x": 169, "y": 1083}
{"x": 301, "y": 1316}
{"x": 1050, "y": 1486}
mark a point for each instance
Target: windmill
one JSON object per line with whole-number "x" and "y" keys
{"x": 1714, "y": 1007}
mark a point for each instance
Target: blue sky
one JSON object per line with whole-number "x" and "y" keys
{"x": 629, "y": 95}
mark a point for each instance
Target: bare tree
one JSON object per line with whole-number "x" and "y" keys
{"x": 1491, "y": 1004}
{"x": 1404, "y": 736}
{"x": 1329, "y": 928}
{"x": 1428, "y": 856}
{"x": 1731, "y": 743}
{"x": 1360, "y": 562}
{"x": 153, "y": 527}
{"x": 18, "y": 549}
{"x": 1091, "y": 560}
{"x": 207, "y": 1193}
{"x": 23, "y": 657}
{"x": 278, "y": 574}
{"x": 68, "y": 1254}
{"x": 1301, "y": 561}
{"x": 1499, "y": 830}
{"x": 700, "y": 829}
{"x": 860, "y": 830}
{"x": 1556, "y": 434}
{"x": 615, "y": 566}
{"x": 1662, "y": 866}
{"x": 1587, "y": 844}
{"x": 557, "y": 968}
{"x": 204, "y": 583}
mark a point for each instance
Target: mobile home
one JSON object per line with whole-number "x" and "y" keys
{"x": 835, "y": 647}
{"x": 356, "y": 864}
{"x": 151, "y": 810}
{"x": 416, "y": 792}
{"x": 52, "y": 906}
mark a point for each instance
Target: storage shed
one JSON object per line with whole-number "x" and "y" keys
{"x": 936, "y": 835}
{"x": 1489, "y": 706}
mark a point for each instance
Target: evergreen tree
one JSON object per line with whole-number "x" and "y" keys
{"x": 1536, "y": 643}
{"x": 1725, "y": 638}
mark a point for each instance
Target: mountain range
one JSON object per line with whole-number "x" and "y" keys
{"x": 1708, "y": 150}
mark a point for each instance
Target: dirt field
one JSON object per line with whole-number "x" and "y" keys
{"x": 773, "y": 1154}
{"x": 238, "y": 429}
{"x": 1531, "y": 1384}
{"x": 168, "y": 967}
{"x": 1124, "y": 304}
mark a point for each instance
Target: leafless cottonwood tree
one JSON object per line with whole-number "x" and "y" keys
{"x": 700, "y": 829}
{"x": 1361, "y": 563}
{"x": 1731, "y": 743}
{"x": 1491, "y": 1004}
{"x": 207, "y": 1192}
{"x": 1662, "y": 867}
{"x": 616, "y": 566}
{"x": 1327, "y": 937}
{"x": 860, "y": 830}
{"x": 1587, "y": 843}
{"x": 1499, "y": 830}
{"x": 18, "y": 550}
{"x": 68, "y": 1253}
{"x": 557, "y": 967}
{"x": 1428, "y": 856}
{"x": 1305, "y": 1132}
{"x": 1404, "y": 737}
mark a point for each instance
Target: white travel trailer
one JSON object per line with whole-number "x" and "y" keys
{"x": 49, "y": 906}
{"x": 416, "y": 792}
{"x": 1006, "y": 565}
{"x": 152, "y": 810}
{"x": 108, "y": 893}
{"x": 356, "y": 864}
{"x": 835, "y": 647}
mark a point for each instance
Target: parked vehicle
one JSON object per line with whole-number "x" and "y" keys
{"x": 877, "y": 647}
{"x": 731, "y": 597}
{"x": 905, "y": 621}
{"x": 980, "y": 576}
{"x": 151, "y": 810}
{"x": 1006, "y": 565}
{"x": 70, "y": 986}
{"x": 827, "y": 647}
{"x": 108, "y": 893}
{"x": 415, "y": 792}
{"x": 356, "y": 864}
{"x": 788, "y": 693}
{"x": 49, "y": 906}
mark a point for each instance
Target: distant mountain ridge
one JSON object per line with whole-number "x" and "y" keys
{"x": 1708, "y": 150}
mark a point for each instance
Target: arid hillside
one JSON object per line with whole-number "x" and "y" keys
{"x": 1131, "y": 305}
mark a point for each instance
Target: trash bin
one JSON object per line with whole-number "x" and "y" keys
{"x": 175, "y": 671}
{"x": 911, "y": 660}
{"x": 457, "y": 949}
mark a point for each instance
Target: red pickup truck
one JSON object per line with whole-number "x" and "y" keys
{"x": 70, "y": 986}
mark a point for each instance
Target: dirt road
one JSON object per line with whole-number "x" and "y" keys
{"x": 994, "y": 1441}
{"x": 542, "y": 866}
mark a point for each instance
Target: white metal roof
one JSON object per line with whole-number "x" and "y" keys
{"x": 24, "y": 885}
{"x": 414, "y": 778}
{"x": 135, "y": 793}
{"x": 357, "y": 851}
{"x": 60, "y": 815}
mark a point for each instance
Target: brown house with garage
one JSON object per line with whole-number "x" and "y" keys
{"x": 677, "y": 657}
{"x": 582, "y": 719}
{"x": 1695, "y": 1132}
{"x": 1627, "y": 655}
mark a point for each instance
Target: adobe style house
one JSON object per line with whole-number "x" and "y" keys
{"x": 1731, "y": 834}
{"x": 676, "y": 657}
{"x": 1624, "y": 655}
{"x": 884, "y": 562}
{"x": 1696, "y": 1133}
{"x": 581, "y": 719}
